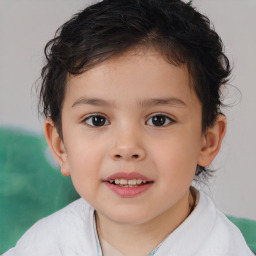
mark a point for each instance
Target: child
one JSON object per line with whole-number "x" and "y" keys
{"x": 131, "y": 95}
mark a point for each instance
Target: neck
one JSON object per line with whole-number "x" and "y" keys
{"x": 141, "y": 239}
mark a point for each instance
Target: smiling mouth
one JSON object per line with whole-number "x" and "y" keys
{"x": 129, "y": 183}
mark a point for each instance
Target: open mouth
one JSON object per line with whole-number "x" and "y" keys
{"x": 129, "y": 183}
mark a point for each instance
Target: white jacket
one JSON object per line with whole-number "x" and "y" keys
{"x": 71, "y": 232}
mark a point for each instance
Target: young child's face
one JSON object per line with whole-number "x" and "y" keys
{"x": 147, "y": 128}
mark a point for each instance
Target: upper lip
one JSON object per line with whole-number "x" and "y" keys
{"x": 127, "y": 176}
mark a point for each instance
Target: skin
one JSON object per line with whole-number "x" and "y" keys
{"x": 130, "y": 142}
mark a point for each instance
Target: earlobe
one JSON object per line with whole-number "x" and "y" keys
{"x": 211, "y": 142}
{"x": 56, "y": 146}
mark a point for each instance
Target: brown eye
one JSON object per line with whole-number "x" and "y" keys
{"x": 96, "y": 120}
{"x": 159, "y": 120}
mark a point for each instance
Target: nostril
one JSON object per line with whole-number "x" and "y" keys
{"x": 136, "y": 156}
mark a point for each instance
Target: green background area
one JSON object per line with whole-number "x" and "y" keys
{"x": 248, "y": 229}
{"x": 32, "y": 188}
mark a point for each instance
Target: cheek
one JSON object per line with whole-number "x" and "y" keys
{"x": 85, "y": 159}
{"x": 85, "y": 165}
{"x": 177, "y": 158}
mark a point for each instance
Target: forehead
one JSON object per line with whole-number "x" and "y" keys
{"x": 137, "y": 74}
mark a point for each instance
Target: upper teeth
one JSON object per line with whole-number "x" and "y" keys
{"x": 127, "y": 182}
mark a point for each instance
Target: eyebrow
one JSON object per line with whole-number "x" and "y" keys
{"x": 161, "y": 101}
{"x": 142, "y": 103}
{"x": 93, "y": 102}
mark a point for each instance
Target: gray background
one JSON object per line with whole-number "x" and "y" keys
{"x": 26, "y": 26}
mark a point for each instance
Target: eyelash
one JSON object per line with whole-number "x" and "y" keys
{"x": 166, "y": 118}
{"x": 104, "y": 119}
{"x": 90, "y": 118}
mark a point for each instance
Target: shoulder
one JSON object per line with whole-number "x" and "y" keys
{"x": 60, "y": 222}
{"x": 224, "y": 237}
{"x": 206, "y": 231}
{"x": 55, "y": 234}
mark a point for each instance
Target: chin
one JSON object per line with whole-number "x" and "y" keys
{"x": 129, "y": 216}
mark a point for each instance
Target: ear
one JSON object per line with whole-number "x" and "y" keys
{"x": 211, "y": 141}
{"x": 56, "y": 146}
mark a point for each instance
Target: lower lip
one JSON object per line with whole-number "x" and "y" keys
{"x": 128, "y": 192}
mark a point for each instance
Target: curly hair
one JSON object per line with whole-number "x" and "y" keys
{"x": 176, "y": 29}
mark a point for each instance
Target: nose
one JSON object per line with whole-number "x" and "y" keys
{"x": 127, "y": 147}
